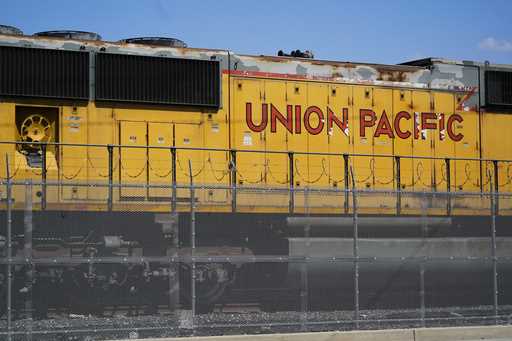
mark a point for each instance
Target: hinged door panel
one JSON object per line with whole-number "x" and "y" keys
{"x": 159, "y": 160}
{"x": 133, "y": 159}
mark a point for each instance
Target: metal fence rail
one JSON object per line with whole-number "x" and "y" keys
{"x": 475, "y": 173}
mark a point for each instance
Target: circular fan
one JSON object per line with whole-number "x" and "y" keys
{"x": 36, "y": 128}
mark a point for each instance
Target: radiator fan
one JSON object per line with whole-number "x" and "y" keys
{"x": 35, "y": 128}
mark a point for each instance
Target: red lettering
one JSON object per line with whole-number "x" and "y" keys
{"x": 442, "y": 134}
{"x": 298, "y": 111}
{"x": 401, "y": 134}
{"x": 449, "y": 127}
{"x": 425, "y": 117}
{"x": 276, "y": 115}
{"x": 416, "y": 125}
{"x": 264, "y": 118}
{"x": 384, "y": 127}
{"x": 342, "y": 124}
{"x": 316, "y": 110}
{"x": 363, "y": 122}
{"x": 367, "y": 118}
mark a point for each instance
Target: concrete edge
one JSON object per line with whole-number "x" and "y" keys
{"x": 418, "y": 334}
{"x": 464, "y": 333}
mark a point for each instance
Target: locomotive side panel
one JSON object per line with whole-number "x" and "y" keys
{"x": 496, "y": 145}
{"x": 423, "y": 127}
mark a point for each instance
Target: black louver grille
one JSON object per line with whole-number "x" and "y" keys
{"x": 498, "y": 88}
{"x": 157, "y": 80}
{"x": 30, "y": 72}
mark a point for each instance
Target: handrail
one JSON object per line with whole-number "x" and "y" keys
{"x": 292, "y": 167}
{"x": 283, "y": 152}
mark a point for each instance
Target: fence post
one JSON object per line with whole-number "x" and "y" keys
{"x": 233, "y": 168}
{"x": 424, "y": 233}
{"x": 43, "y": 176}
{"x": 291, "y": 171}
{"x": 398, "y": 186}
{"x": 9, "y": 248}
{"x": 346, "y": 180}
{"x": 174, "y": 265}
{"x": 355, "y": 250}
{"x": 304, "y": 295}
{"x": 110, "y": 150}
{"x": 27, "y": 248}
{"x": 448, "y": 187}
{"x": 192, "y": 243}
{"x": 493, "y": 194}
{"x": 173, "y": 170}
{"x": 496, "y": 186}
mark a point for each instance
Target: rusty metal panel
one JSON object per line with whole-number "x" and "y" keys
{"x": 30, "y": 72}
{"x": 157, "y": 80}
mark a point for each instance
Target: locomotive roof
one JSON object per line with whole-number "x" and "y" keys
{"x": 434, "y": 73}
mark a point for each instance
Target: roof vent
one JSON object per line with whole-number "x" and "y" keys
{"x": 78, "y": 35}
{"x": 297, "y": 54}
{"x": 157, "y": 41}
{"x": 4, "y": 29}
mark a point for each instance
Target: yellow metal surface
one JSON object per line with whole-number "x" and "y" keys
{"x": 279, "y": 115}
{"x": 159, "y": 160}
{"x": 133, "y": 161}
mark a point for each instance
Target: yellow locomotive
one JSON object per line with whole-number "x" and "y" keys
{"x": 111, "y": 135}
{"x": 447, "y": 121}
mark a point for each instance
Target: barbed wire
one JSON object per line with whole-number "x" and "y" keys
{"x": 308, "y": 181}
{"x": 371, "y": 175}
{"x": 269, "y": 172}
{"x": 418, "y": 175}
{"x": 467, "y": 174}
{"x": 377, "y": 178}
{"x": 187, "y": 174}
{"x": 224, "y": 172}
{"x": 16, "y": 169}
{"x": 443, "y": 175}
{"x": 72, "y": 176}
{"x": 114, "y": 167}
{"x": 415, "y": 180}
{"x": 509, "y": 176}
{"x": 153, "y": 171}
{"x": 420, "y": 170}
{"x": 125, "y": 171}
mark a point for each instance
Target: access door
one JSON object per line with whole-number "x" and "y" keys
{"x": 132, "y": 160}
{"x": 160, "y": 139}
{"x": 191, "y": 162}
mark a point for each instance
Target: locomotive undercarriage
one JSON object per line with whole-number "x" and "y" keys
{"x": 104, "y": 264}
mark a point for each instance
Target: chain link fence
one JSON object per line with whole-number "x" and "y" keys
{"x": 134, "y": 272}
{"x": 117, "y": 259}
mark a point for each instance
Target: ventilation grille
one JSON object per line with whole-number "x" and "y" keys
{"x": 156, "y": 41}
{"x": 68, "y": 34}
{"x": 45, "y": 73}
{"x": 4, "y": 29}
{"x": 157, "y": 80}
{"x": 498, "y": 89}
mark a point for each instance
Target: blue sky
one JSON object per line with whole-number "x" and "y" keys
{"x": 365, "y": 31}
